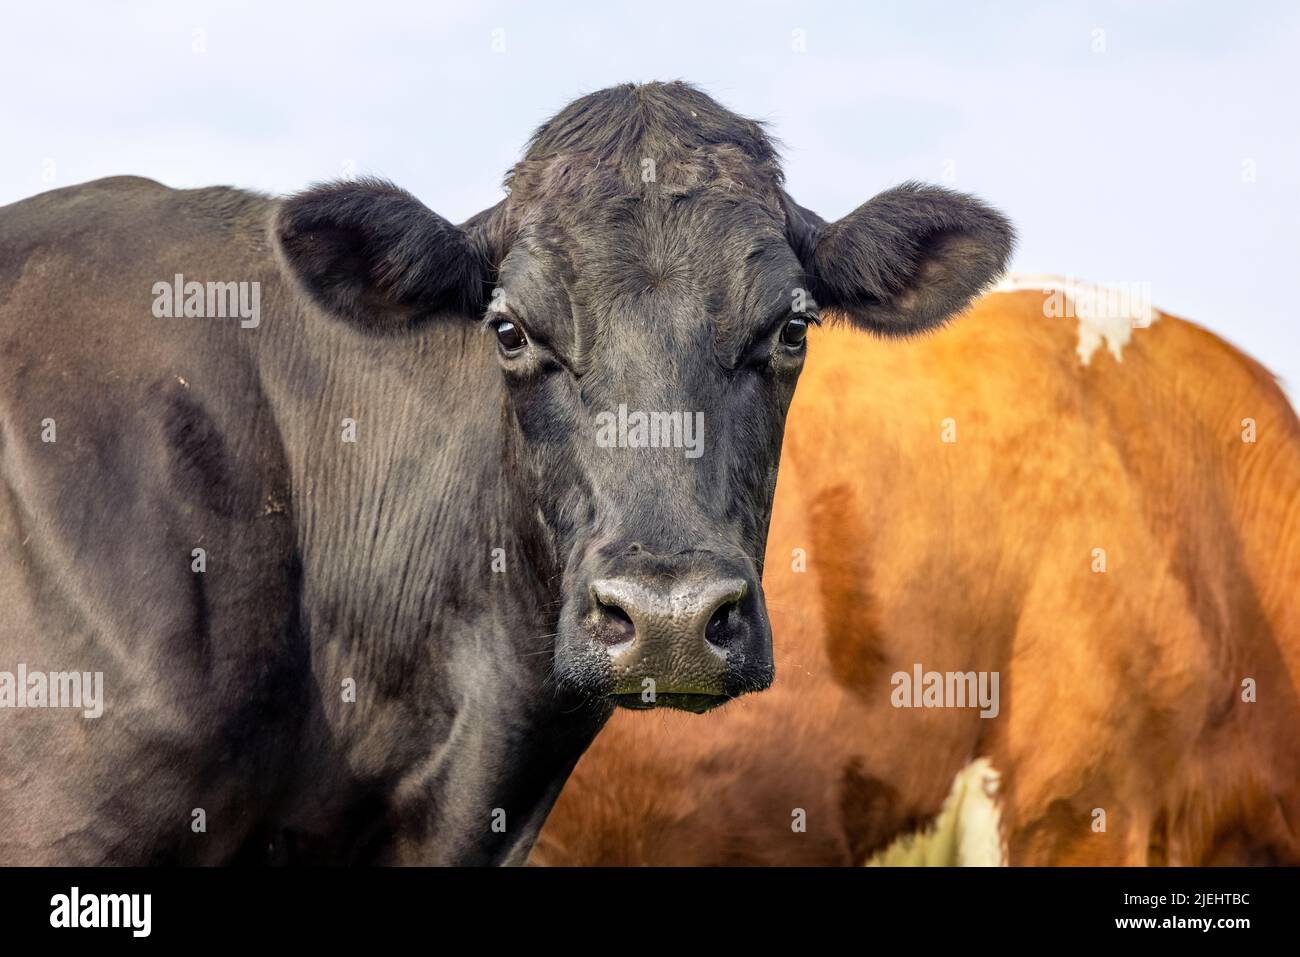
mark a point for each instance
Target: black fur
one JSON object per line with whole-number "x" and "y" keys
{"x": 906, "y": 260}
{"x": 373, "y": 254}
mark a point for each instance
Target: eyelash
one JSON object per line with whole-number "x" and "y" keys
{"x": 810, "y": 317}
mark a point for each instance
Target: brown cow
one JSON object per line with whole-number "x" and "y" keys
{"x": 1105, "y": 522}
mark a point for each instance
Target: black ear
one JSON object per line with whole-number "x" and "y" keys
{"x": 377, "y": 257}
{"x": 905, "y": 260}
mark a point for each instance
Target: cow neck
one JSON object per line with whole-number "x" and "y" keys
{"x": 406, "y": 480}
{"x": 396, "y": 532}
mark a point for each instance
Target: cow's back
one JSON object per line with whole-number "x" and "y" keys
{"x": 1100, "y": 535}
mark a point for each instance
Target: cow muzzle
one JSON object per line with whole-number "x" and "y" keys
{"x": 688, "y": 633}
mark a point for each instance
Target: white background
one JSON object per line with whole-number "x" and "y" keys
{"x": 1169, "y": 156}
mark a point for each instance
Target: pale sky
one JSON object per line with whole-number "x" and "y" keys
{"x": 1145, "y": 142}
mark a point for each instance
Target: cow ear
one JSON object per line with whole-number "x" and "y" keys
{"x": 904, "y": 261}
{"x": 375, "y": 256}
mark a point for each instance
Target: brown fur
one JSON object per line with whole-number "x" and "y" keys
{"x": 1120, "y": 691}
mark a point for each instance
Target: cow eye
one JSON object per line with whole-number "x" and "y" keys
{"x": 511, "y": 338}
{"x": 794, "y": 332}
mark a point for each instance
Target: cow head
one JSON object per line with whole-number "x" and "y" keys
{"x": 648, "y": 287}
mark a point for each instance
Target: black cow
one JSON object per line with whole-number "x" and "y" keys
{"x": 366, "y": 520}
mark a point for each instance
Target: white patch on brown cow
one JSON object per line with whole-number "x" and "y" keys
{"x": 1107, "y": 313}
{"x": 967, "y": 832}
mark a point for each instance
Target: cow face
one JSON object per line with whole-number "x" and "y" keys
{"x": 647, "y": 288}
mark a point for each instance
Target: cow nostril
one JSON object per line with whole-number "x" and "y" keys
{"x": 615, "y": 612}
{"x": 716, "y": 631}
{"x": 617, "y": 624}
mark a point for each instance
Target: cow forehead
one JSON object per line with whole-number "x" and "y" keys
{"x": 574, "y": 180}
{"x": 626, "y": 230}
{"x": 696, "y": 250}
{"x": 669, "y": 296}
{"x": 710, "y": 257}
{"x": 582, "y": 205}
